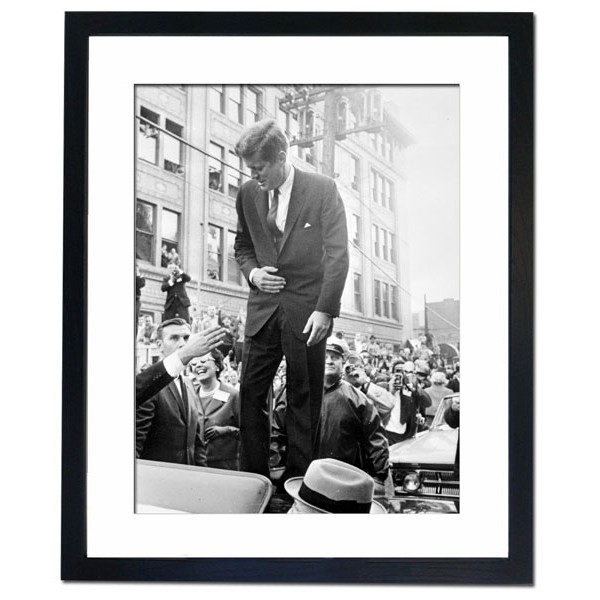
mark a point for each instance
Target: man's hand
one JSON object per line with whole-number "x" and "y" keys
{"x": 201, "y": 343}
{"x": 216, "y": 431}
{"x": 265, "y": 282}
{"x": 317, "y": 327}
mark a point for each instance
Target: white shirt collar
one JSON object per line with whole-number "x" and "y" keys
{"x": 285, "y": 189}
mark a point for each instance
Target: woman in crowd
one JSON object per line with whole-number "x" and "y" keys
{"x": 219, "y": 412}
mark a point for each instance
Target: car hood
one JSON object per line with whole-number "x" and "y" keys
{"x": 437, "y": 446}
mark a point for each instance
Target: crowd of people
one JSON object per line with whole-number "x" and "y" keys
{"x": 371, "y": 400}
{"x": 272, "y": 391}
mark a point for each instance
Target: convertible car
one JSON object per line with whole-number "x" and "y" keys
{"x": 425, "y": 467}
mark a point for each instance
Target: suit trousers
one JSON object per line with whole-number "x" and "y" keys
{"x": 304, "y": 384}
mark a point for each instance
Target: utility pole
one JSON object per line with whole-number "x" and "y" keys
{"x": 333, "y": 128}
{"x": 329, "y": 132}
{"x": 425, "y": 312}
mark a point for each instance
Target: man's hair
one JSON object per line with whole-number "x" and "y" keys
{"x": 395, "y": 364}
{"x": 169, "y": 322}
{"x": 265, "y": 138}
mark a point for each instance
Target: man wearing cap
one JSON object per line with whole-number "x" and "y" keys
{"x": 350, "y": 428}
{"x": 292, "y": 247}
{"x": 332, "y": 486}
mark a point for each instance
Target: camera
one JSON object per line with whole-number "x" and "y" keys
{"x": 400, "y": 380}
{"x": 350, "y": 370}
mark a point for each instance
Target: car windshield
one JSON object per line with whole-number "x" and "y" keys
{"x": 438, "y": 421}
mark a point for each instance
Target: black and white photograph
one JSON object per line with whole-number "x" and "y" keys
{"x": 461, "y": 152}
{"x": 297, "y": 298}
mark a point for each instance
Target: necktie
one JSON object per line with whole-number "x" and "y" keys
{"x": 272, "y": 219}
{"x": 183, "y": 393}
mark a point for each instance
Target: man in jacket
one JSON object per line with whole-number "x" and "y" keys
{"x": 350, "y": 427}
{"x": 157, "y": 376}
{"x": 167, "y": 426}
{"x": 411, "y": 402}
{"x": 292, "y": 247}
{"x": 177, "y": 303}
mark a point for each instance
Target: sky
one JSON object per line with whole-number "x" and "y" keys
{"x": 431, "y": 114}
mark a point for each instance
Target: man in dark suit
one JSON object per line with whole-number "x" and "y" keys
{"x": 292, "y": 246}
{"x": 167, "y": 426}
{"x": 177, "y": 303}
{"x": 151, "y": 381}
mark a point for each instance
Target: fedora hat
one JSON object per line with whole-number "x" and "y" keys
{"x": 333, "y": 486}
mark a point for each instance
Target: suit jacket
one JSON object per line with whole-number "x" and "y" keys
{"x": 222, "y": 409}
{"x": 313, "y": 255}
{"x": 176, "y": 294}
{"x": 168, "y": 430}
{"x": 149, "y": 382}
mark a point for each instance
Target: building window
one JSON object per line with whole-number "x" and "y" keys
{"x": 216, "y": 94}
{"x": 169, "y": 248}
{"x": 394, "y": 299}
{"x": 145, "y": 231}
{"x": 234, "y": 103}
{"x": 234, "y": 175}
{"x": 357, "y": 292}
{"x": 392, "y": 248}
{"x": 346, "y": 167}
{"x": 354, "y": 172}
{"x": 375, "y": 186}
{"x": 381, "y": 189}
{"x": 215, "y": 253}
{"x": 215, "y": 167}
{"x": 384, "y": 244}
{"x": 377, "y": 297}
{"x": 385, "y": 295}
{"x": 389, "y": 201}
{"x": 147, "y": 140}
{"x": 234, "y": 275}
{"x": 252, "y": 106}
{"x": 293, "y": 126}
{"x": 281, "y": 118}
{"x": 173, "y": 148}
{"x": 373, "y": 137}
{"x": 356, "y": 230}
{"x": 376, "y": 241}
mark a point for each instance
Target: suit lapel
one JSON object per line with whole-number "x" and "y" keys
{"x": 297, "y": 200}
{"x": 172, "y": 389}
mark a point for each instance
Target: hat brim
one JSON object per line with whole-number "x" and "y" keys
{"x": 292, "y": 487}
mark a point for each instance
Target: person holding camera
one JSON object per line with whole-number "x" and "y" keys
{"x": 356, "y": 375}
{"x": 411, "y": 400}
{"x": 177, "y": 303}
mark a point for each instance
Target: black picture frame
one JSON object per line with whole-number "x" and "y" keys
{"x": 518, "y": 567}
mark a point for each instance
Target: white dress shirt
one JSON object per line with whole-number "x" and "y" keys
{"x": 285, "y": 193}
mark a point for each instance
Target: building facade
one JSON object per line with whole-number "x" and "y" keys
{"x": 187, "y": 177}
{"x": 443, "y": 321}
